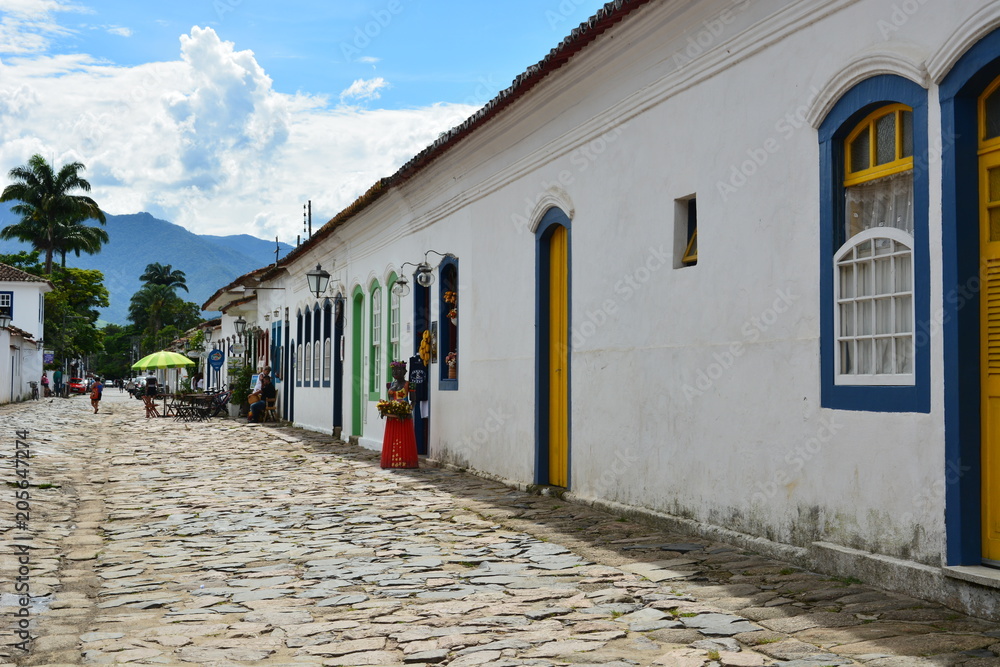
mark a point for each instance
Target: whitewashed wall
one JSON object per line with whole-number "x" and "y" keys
{"x": 695, "y": 391}
{"x": 28, "y": 315}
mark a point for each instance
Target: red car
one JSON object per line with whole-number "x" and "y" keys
{"x": 77, "y": 385}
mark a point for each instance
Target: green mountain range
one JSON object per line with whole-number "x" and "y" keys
{"x": 208, "y": 262}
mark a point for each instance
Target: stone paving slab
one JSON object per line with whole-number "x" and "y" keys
{"x": 165, "y": 543}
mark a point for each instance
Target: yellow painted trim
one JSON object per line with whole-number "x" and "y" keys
{"x": 989, "y": 254}
{"x": 883, "y": 170}
{"x": 987, "y": 144}
{"x": 689, "y": 256}
{"x": 900, "y": 164}
{"x": 559, "y": 357}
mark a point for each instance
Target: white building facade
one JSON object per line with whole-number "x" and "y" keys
{"x": 729, "y": 264}
{"x": 22, "y": 298}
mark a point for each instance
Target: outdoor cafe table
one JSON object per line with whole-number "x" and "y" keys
{"x": 193, "y": 406}
{"x": 167, "y": 406}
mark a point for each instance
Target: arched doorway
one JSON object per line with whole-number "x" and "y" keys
{"x": 357, "y": 365}
{"x": 988, "y": 112}
{"x": 552, "y": 350}
{"x": 971, "y": 316}
{"x": 338, "y": 361}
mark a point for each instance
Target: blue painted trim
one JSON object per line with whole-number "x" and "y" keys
{"x": 553, "y": 217}
{"x": 327, "y": 334}
{"x": 317, "y": 338}
{"x": 447, "y": 280}
{"x": 11, "y": 313}
{"x": 421, "y": 323}
{"x": 338, "y": 364}
{"x": 850, "y": 110}
{"x": 958, "y": 94}
{"x": 295, "y": 347}
{"x": 307, "y": 330}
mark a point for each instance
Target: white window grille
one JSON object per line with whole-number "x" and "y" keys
{"x": 874, "y": 315}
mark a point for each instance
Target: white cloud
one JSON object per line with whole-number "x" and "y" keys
{"x": 120, "y": 31}
{"x": 368, "y": 60}
{"x": 27, "y": 26}
{"x": 205, "y": 141}
{"x": 363, "y": 89}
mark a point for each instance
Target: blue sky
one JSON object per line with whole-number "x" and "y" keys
{"x": 224, "y": 116}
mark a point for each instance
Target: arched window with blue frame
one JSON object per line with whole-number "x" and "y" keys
{"x": 376, "y": 348}
{"x": 448, "y": 297}
{"x": 297, "y": 349}
{"x": 327, "y": 334}
{"x": 317, "y": 337}
{"x": 874, "y": 279}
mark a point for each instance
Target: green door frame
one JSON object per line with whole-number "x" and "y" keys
{"x": 357, "y": 370}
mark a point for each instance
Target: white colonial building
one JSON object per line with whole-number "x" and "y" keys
{"x": 733, "y": 264}
{"x": 22, "y": 300}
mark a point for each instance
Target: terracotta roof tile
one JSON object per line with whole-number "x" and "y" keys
{"x": 27, "y": 335}
{"x": 10, "y": 274}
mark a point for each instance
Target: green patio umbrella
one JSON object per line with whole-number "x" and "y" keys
{"x": 162, "y": 359}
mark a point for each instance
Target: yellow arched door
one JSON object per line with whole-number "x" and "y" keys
{"x": 989, "y": 248}
{"x": 558, "y": 435}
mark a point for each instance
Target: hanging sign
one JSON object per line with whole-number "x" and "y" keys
{"x": 215, "y": 358}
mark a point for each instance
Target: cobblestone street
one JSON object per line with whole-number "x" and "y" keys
{"x": 158, "y": 542}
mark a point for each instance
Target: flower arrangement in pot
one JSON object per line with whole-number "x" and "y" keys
{"x": 452, "y": 360}
{"x": 400, "y": 409}
{"x": 451, "y": 298}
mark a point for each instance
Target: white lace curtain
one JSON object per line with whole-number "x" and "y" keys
{"x": 884, "y": 202}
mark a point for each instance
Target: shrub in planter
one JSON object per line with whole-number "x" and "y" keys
{"x": 239, "y": 382}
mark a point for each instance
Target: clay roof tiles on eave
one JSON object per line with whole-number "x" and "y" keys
{"x": 255, "y": 275}
{"x": 239, "y": 302}
{"x": 9, "y": 273}
{"x": 610, "y": 14}
{"x": 16, "y": 331}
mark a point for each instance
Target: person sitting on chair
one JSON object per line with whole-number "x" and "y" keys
{"x": 267, "y": 392}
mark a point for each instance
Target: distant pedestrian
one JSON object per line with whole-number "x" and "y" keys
{"x": 57, "y": 381}
{"x": 96, "y": 390}
{"x": 45, "y": 384}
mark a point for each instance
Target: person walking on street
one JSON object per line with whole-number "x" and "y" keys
{"x": 95, "y": 393}
{"x": 57, "y": 381}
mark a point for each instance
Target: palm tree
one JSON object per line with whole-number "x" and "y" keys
{"x": 158, "y": 274}
{"x": 150, "y": 305}
{"x": 48, "y": 211}
{"x": 77, "y": 238}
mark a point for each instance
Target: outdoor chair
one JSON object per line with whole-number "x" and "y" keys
{"x": 185, "y": 411}
{"x": 270, "y": 410}
{"x": 150, "y": 404}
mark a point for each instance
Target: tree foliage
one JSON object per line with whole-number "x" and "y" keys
{"x": 26, "y": 260}
{"x": 70, "y": 308}
{"x": 52, "y": 216}
{"x": 71, "y": 311}
{"x": 158, "y": 274}
{"x": 121, "y": 345}
{"x": 156, "y": 311}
